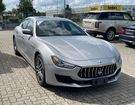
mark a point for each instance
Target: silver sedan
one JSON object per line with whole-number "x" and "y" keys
{"x": 63, "y": 54}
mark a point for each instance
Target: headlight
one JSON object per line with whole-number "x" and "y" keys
{"x": 118, "y": 58}
{"x": 60, "y": 63}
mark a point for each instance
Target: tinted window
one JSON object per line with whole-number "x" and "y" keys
{"x": 104, "y": 16}
{"x": 116, "y": 16}
{"x": 58, "y": 28}
{"x": 93, "y": 16}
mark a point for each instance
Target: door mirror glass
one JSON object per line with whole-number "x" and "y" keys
{"x": 27, "y": 32}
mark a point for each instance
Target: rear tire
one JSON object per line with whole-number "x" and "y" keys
{"x": 40, "y": 71}
{"x": 110, "y": 35}
{"x": 15, "y": 48}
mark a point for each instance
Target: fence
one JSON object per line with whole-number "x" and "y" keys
{"x": 9, "y": 26}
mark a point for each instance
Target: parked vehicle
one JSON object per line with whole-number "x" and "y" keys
{"x": 106, "y": 23}
{"x": 62, "y": 54}
{"x": 127, "y": 34}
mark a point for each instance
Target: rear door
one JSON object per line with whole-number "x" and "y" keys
{"x": 106, "y": 21}
{"x": 119, "y": 20}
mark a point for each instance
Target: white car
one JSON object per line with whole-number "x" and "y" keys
{"x": 106, "y": 23}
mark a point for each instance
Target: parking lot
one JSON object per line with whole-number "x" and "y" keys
{"x": 18, "y": 84}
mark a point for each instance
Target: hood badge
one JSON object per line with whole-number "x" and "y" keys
{"x": 100, "y": 71}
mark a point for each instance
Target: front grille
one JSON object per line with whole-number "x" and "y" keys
{"x": 94, "y": 72}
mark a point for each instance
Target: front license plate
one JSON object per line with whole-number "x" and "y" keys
{"x": 100, "y": 81}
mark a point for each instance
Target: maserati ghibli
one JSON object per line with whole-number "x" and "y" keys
{"x": 63, "y": 54}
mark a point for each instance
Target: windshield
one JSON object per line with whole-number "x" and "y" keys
{"x": 58, "y": 28}
{"x": 92, "y": 16}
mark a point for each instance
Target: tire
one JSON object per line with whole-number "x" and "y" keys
{"x": 15, "y": 48}
{"x": 129, "y": 44}
{"x": 40, "y": 71}
{"x": 110, "y": 35}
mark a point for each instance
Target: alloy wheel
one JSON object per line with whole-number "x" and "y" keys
{"x": 40, "y": 70}
{"x": 110, "y": 35}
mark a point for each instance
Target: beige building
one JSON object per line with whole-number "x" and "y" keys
{"x": 128, "y": 8}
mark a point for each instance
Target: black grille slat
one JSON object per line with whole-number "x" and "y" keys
{"x": 94, "y": 72}
{"x": 110, "y": 69}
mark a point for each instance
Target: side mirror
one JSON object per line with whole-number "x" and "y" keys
{"x": 27, "y": 31}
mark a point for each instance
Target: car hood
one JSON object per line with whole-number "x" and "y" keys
{"x": 79, "y": 47}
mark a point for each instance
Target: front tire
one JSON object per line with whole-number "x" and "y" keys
{"x": 110, "y": 35}
{"x": 15, "y": 47}
{"x": 40, "y": 71}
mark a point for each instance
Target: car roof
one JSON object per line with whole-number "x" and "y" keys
{"x": 42, "y": 18}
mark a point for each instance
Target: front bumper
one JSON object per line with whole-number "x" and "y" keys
{"x": 69, "y": 77}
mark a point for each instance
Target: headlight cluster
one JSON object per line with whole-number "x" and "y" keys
{"x": 60, "y": 63}
{"x": 118, "y": 58}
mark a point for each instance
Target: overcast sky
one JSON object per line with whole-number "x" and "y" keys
{"x": 43, "y": 5}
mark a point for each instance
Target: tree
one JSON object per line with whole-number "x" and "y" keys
{"x": 2, "y": 7}
{"x": 15, "y": 11}
{"x": 26, "y": 9}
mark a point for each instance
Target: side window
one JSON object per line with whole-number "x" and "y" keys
{"x": 30, "y": 25}
{"x": 116, "y": 16}
{"x": 24, "y": 24}
{"x": 127, "y": 16}
{"x": 104, "y": 16}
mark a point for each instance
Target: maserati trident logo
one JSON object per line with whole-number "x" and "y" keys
{"x": 100, "y": 71}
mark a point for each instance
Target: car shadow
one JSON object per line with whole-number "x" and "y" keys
{"x": 133, "y": 46}
{"x": 122, "y": 91}
{"x": 9, "y": 62}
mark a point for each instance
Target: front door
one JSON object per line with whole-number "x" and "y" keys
{"x": 28, "y": 42}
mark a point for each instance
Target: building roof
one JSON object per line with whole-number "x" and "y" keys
{"x": 106, "y": 11}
